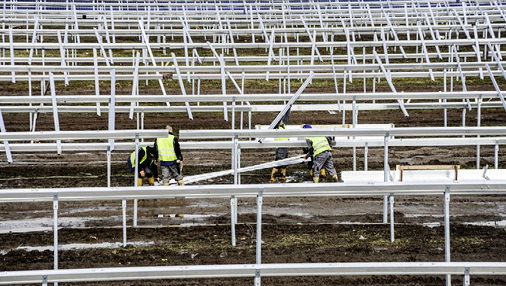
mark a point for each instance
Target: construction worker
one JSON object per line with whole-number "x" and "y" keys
{"x": 281, "y": 153}
{"x": 171, "y": 159}
{"x": 147, "y": 164}
{"x": 320, "y": 150}
{"x": 305, "y": 150}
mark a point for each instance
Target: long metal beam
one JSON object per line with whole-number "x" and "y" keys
{"x": 227, "y": 133}
{"x": 84, "y": 135}
{"x": 254, "y": 108}
{"x": 206, "y": 98}
{"x": 251, "y": 270}
{"x": 227, "y": 145}
{"x": 380, "y": 132}
{"x": 369, "y": 189}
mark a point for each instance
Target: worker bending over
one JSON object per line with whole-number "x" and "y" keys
{"x": 305, "y": 150}
{"x": 171, "y": 159}
{"x": 320, "y": 150}
{"x": 147, "y": 164}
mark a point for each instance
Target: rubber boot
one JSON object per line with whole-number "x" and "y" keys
{"x": 166, "y": 184}
{"x": 139, "y": 182}
{"x": 335, "y": 178}
{"x": 151, "y": 181}
{"x": 180, "y": 182}
{"x": 311, "y": 172}
{"x": 316, "y": 179}
{"x": 283, "y": 174}
{"x": 273, "y": 175}
{"x": 322, "y": 172}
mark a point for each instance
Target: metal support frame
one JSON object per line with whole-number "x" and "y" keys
{"x": 123, "y": 207}
{"x": 233, "y": 217}
{"x": 181, "y": 84}
{"x": 447, "y": 229}
{"x": 392, "y": 225}
{"x": 55, "y": 229}
{"x": 259, "y": 234}
{"x": 108, "y": 166}
{"x": 112, "y": 107}
{"x": 385, "y": 175}
{"x": 6, "y": 143}
{"x": 55, "y": 110}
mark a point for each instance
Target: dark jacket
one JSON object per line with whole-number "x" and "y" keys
{"x": 150, "y": 161}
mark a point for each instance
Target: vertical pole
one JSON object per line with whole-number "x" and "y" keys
{"x": 385, "y": 177}
{"x": 478, "y": 124}
{"x": 234, "y": 161}
{"x": 112, "y": 107}
{"x": 233, "y": 113}
{"x": 136, "y": 183}
{"x": 366, "y": 154}
{"x": 392, "y": 233}
{"x": 238, "y": 163}
{"x": 259, "y": 234}
{"x": 444, "y": 100}
{"x": 467, "y": 279}
{"x": 108, "y": 166}
{"x": 232, "y": 218}
{"x": 55, "y": 229}
{"x": 496, "y": 155}
{"x": 354, "y": 123}
{"x": 136, "y": 169}
{"x": 447, "y": 230}
{"x": 123, "y": 206}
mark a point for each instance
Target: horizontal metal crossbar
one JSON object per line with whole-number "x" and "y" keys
{"x": 243, "y": 133}
{"x": 211, "y": 98}
{"x": 250, "y": 270}
{"x": 83, "y": 135}
{"x": 400, "y": 131}
{"x": 253, "y": 144}
{"x": 251, "y": 190}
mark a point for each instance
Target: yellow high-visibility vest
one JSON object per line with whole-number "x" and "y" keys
{"x": 283, "y": 138}
{"x": 166, "y": 150}
{"x": 132, "y": 157}
{"x": 320, "y": 144}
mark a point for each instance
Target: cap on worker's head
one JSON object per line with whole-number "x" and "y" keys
{"x": 307, "y": 126}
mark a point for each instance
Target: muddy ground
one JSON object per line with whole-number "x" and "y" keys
{"x": 295, "y": 229}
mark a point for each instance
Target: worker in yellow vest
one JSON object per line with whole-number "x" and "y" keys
{"x": 319, "y": 148}
{"x": 305, "y": 150}
{"x": 281, "y": 153}
{"x": 171, "y": 159}
{"x": 147, "y": 164}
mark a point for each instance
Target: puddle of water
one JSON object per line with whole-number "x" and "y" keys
{"x": 500, "y": 223}
{"x": 88, "y": 210}
{"x": 74, "y": 246}
{"x": 432, "y": 224}
{"x": 43, "y": 224}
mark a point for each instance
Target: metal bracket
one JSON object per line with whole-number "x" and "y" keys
{"x": 467, "y": 279}
{"x": 55, "y": 201}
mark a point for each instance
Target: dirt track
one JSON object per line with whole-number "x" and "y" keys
{"x": 296, "y": 229}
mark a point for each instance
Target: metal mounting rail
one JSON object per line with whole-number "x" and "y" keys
{"x": 250, "y": 270}
{"x": 83, "y": 135}
{"x": 207, "y": 98}
{"x": 227, "y": 145}
{"x": 227, "y": 133}
{"x": 484, "y": 187}
{"x": 253, "y": 108}
{"x": 401, "y": 131}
